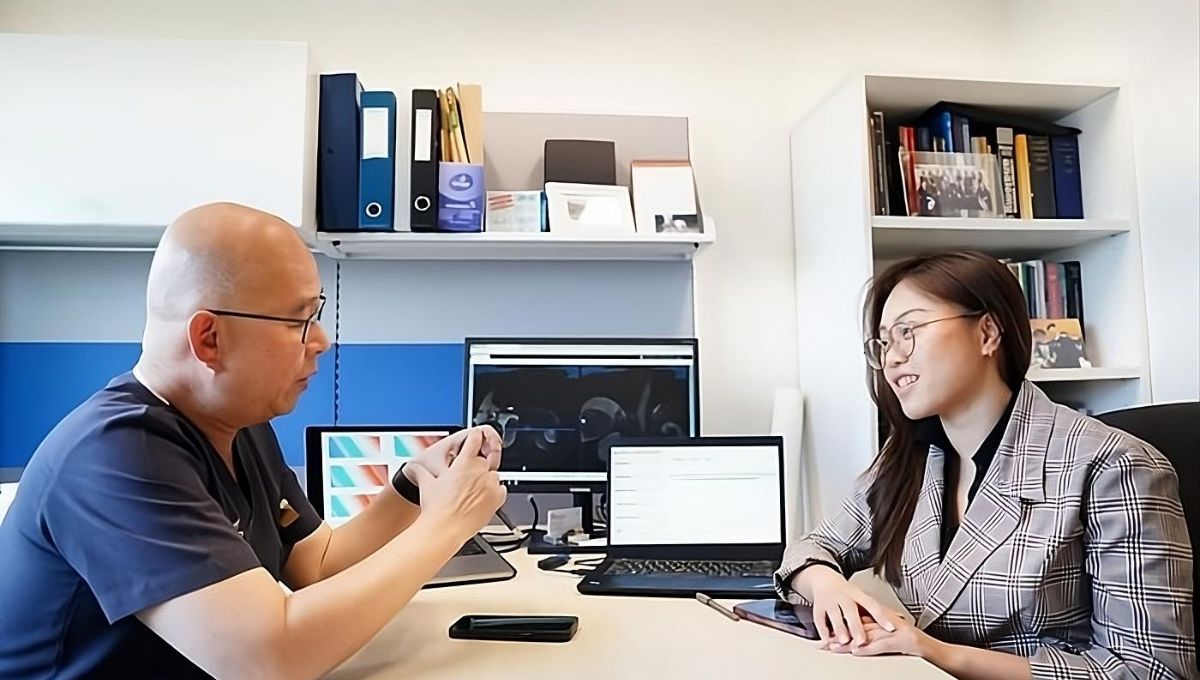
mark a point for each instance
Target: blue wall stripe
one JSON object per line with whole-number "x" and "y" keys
{"x": 399, "y": 384}
{"x": 407, "y": 384}
{"x": 40, "y": 382}
{"x": 315, "y": 406}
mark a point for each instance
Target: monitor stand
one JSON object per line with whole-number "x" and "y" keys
{"x": 539, "y": 545}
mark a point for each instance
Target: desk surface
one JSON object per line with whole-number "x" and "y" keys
{"x": 618, "y": 637}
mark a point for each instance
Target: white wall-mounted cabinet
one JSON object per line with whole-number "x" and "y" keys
{"x": 105, "y": 140}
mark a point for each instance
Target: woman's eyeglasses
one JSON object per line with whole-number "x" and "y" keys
{"x": 901, "y": 339}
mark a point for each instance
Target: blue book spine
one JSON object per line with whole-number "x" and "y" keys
{"x": 1068, "y": 182}
{"x": 338, "y": 152}
{"x": 377, "y": 179}
{"x": 947, "y": 131}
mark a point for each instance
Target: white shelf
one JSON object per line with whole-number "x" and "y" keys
{"x": 508, "y": 246}
{"x": 80, "y": 237}
{"x": 897, "y": 237}
{"x": 1082, "y": 374}
{"x": 908, "y": 96}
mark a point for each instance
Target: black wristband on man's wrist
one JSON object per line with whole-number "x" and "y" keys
{"x": 404, "y": 486}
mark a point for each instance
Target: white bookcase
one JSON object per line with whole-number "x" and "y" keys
{"x": 840, "y": 243}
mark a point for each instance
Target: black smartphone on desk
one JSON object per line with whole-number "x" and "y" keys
{"x": 515, "y": 628}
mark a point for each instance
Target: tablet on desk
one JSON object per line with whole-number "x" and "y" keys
{"x": 796, "y": 619}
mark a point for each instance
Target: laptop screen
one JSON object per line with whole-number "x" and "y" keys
{"x": 357, "y": 465}
{"x": 695, "y": 494}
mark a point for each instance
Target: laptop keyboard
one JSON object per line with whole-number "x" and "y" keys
{"x": 712, "y": 568}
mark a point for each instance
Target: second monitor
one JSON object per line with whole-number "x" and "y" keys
{"x": 557, "y": 399}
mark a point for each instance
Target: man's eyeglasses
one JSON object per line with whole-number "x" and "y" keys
{"x": 901, "y": 339}
{"x": 306, "y": 323}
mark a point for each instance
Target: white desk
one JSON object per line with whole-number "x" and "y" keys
{"x": 619, "y": 637}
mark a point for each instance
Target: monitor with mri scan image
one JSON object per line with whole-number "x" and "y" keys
{"x": 555, "y": 400}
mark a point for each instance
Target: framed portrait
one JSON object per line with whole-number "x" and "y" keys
{"x": 954, "y": 184}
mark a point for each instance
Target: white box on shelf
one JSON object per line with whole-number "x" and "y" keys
{"x": 589, "y": 209}
{"x": 514, "y": 212}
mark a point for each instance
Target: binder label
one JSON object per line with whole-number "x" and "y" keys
{"x": 375, "y": 133}
{"x": 423, "y": 136}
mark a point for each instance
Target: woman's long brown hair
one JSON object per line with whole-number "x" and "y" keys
{"x": 975, "y": 282}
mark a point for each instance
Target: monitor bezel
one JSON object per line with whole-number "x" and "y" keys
{"x": 569, "y": 486}
{"x": 745, "y": 551}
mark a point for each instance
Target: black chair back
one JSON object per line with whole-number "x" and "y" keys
{"x": 1173, "y": 429}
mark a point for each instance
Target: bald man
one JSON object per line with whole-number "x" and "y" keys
{"x": 153, "y": 525}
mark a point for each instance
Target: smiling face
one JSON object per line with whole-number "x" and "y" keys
{"x": 950, "y": 356}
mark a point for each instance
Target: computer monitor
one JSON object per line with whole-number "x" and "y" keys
{"x": 347, "y": 465}
{"x": 556, "y": 399}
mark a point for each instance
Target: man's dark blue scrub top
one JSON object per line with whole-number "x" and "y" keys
{"x": 126, "y": 505}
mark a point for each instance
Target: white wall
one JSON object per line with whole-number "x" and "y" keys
{"x": 743, "y": 72}
{"x": 1153, "y": 48}
{"x": 1166, "y": 71}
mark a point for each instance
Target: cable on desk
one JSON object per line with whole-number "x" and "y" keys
{"x": 514, "y": 545}
{"x": 570, "y": 572}
{"x": 602, "y": 508}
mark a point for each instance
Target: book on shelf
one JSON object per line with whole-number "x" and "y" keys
{"x": 1008, "y": 169}
{"x": 1041, "y": 178}
{"x": 878, "y": 148}
{"x": 1024, "y": 185}
{"x": 1053, "y": 290}
{"x": 1038, "y": 160}
{"x": 1068, "y": 195}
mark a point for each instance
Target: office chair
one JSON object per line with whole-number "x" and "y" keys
{"x": 1173, "y": 429}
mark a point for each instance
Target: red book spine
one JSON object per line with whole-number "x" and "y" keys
{"x": 908, "y": 139}
{"x": 1054, "y": 293}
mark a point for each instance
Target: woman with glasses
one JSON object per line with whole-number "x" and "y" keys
{"x": 1025, "y": 539}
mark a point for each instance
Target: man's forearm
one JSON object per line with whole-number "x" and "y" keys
{"x": 362, "y": 598}
{"x": 971, "y": 663}
{"x": 246, "y": 626}
{"x": 383, "y": 519}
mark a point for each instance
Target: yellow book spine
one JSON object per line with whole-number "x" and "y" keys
{"x": 1024, "y": 187}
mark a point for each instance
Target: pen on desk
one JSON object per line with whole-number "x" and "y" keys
{"x": 716, "y": 605}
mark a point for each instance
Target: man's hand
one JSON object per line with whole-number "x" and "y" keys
{"x": 481, "y": 440}
{"x": 465, "y": 497}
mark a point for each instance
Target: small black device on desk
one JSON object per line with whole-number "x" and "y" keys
{"x": 515, "y": 628}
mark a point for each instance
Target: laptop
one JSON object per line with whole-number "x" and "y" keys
{"x": 348, "y": 464}
{"x": 692, "y": 515}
